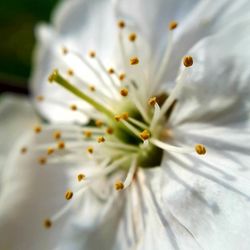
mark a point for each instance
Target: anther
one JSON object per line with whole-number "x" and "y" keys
{"x": 53, "y": 75}
{"x": 47, "y": 223}
{"x": 73, "y": 107}
{"x": 50, "y": 151}
{"x": 92, "y": 54}
{"x": 123, "y": 116}
{"x": 144, "y": 134}
{"x": 65, "y": 51}
{"x": 122, "y": 76}
{"x": 172, "y": 25}
{"x": 188, "y": 61}
{"x": 200, "y": 149}
{"x": 124, "y": 92}
{"x": 98, "y": 123}
{"x": 109, "y": 130}
{"x": 92, "y": 88}
{"x": 119, "y": 185}
{"x": 100, "y": 139}
{"x": 152, "y": 101}
{"x": 68, "y": 195}
{"x": 60, "y": 145}
{"x": 81, "y": 177}
{"x": 23, "y": 150}
{"x": 121, "y": 24}
{"x": 40, "y": 98}
{"x": 57, "y": 135}
{"x": 132, "y": 37}
{"x": 90, "y": 150}
{"x": 37, "y": 129}
{"x": 42, "y": 160}
{"x": 87, "y": 133}
{"x": 111, "y": 71}
{"x": 70, "y": 72}
{"x": 134, "y": 60}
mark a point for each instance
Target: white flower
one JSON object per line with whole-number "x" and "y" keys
{"x": 152, "y": 118}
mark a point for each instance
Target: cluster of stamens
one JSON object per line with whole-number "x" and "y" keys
{"x": 117, "y": 139}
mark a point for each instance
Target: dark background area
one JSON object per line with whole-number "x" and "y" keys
{"x": 17, "y": 22}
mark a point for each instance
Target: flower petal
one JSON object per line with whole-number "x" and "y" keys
{"x": 213, "y": 208}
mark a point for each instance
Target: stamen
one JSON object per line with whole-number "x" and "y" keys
{"x": 50, "y": 151}
{"x": 144, "y": 135}
{"x": 100, "y": 139}
{"x": 42, "y": 160}
{"x": 61, "y": 145}
{"x": 40, "y": 98}
{"x": 134, "y": 60}
{"x": 172, "y": 25}
{"x": 98, "y": 123}
{"x": 92, "y": 88}
{"x": 119, "y": 185}
{"x": 109, "y": 130}
{"x": 111, "y": 71}
{"x": 152, "y": 101}
{"x": 37, "y": 129}
{"x": 57, "y": 135}
{"x": 187, "y": 61}
{"x": 87, "y": 133}
{"x": 92, "y": 54}
{"x": 131, "y": 173}
{"x": 47, "y": 223}
{"x": 90, "y": 150}
{"x": 81, "y": 177}
{"x": 73, "y": 107}
{"x": 65, "y": 50}
{"x": 23, "y": 150}
{"x": 68, "y": 195}
{"x": 121, "y": 24}
{"x": 124, "y": 92}
{"x": 122, "y": 76}
{"x": 132, "y": 37}
{"x": 70, "y": 72}
{"x": 200, "y": 149}
{"x": 123, "y": 116}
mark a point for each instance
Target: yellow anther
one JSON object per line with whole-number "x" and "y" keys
{"x": 40, "y": 98}
{"x": 68, "y": 195}
{"x": 144, "y": 134}
{"x": 98, "y": 123}
{"x": 42, "y": 160}
{"x": 50, "y": 151}
{"x": 57, "y": 135}
{"x": 53, "y": 75}
{"x": 134, "y": 60}
{"x": 200, "y": 149}
{"x": 90, "y": 150}
{"x": 92, "y": 54}
{"x": 121, "y": 24}
{"x": 123, "y": 116}
{"x": 188, "y": 61}
{"x": 81, "y": 177}
{"x": 152, "y": 101}
{"x": 92, "y": 88}
{"x": 47, "y": 223}
{"x": 172, "y": 25}
{"x": 37, "y": 129}
{"x": 132, "y": 37}
{"x": 109, "y": 130}
{"x": 100, "y": 139}
{"x": 118, "y": 118}
{"x": 23, "y": 150}
{"x": 70, "y": 72}
{"x": 65, "y": 51}
{"x": 119, "y": 185}
{"x": 73, "y": 107}
{"x": 124, "y": 92}
{"x": 61, "y": 145}
{"x": 87, "y": 133}
{"x": 122, "y": 76}
{"x": 111, "y": 71}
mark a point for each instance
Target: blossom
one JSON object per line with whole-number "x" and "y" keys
{"x": 148, "y": 142}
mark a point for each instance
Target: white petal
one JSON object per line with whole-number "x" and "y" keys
{"x": 216, "y": 88}
{"x": 16, "y": 115}
{"x": 212, "y": 207}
